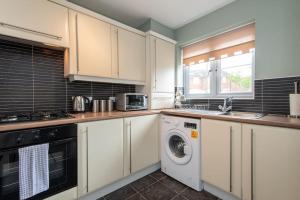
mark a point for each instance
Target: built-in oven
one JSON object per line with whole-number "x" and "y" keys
{"x": 62, "y": 159}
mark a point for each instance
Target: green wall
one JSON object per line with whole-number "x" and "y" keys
{"x": 157, "y": 27}
{"x": 277, "y": 33}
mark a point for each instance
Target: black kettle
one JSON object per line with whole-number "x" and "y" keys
{"x": 80, "y": 104}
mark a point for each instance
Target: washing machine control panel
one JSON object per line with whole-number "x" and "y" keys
{"x": 190, "y": 125}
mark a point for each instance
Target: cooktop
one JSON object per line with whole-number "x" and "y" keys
{"x": 34, "y": 116}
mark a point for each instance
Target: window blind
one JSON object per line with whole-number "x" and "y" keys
{"x": 240, "y": 40}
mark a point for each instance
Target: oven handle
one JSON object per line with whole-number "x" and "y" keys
{"x": 51, "y": 143}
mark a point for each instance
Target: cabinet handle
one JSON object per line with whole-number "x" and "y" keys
{"x": 127, "y": 151}
{"x": 77, "y": 49}
{"x": 30, "y": 31}
{"x": 117, "y": 32}
{"x": 252, "y": 164}
{"x": 87, "y": 163}
{"x": 130, "y": 159}
{"x": 83, "y": 189}
{"x": 230, "y": 174}
{"x": 155, "y": 64}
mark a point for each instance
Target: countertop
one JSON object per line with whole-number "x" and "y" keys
{"x": 76, "y": 118}
{"x": 268, "y": 120}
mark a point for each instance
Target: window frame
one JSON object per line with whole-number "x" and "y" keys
{"x": 215, "y": 77}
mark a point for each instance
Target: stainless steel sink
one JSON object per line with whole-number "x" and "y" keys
{"x": 201, "y": 112}
{"x": 245, "y": 115}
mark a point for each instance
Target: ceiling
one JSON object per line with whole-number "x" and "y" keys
{"x": 171, "y": 13}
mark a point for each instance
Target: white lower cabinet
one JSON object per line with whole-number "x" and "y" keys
{"x": 100, "y": 154}
{"x": 271, "y": 163}
{"x": 108, "y": 151}
{"x": 221, "y": 155}
{"x": 142, "y": 133}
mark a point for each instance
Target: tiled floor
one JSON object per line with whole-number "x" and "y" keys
{"x": 157, "y": 186}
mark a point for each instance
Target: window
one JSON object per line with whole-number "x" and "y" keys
{"x": 221, "y": 66}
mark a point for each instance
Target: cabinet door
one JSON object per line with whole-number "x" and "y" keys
{"x": 132, "y": 55}
{"x": 164, "y": 63}
{"x": 34, "y": 20}
{"x": 94, "y": 46}
{"x": 144, "y": 141}
{"x": 271, "y": 163}
{"x": 221, "y": 155}
{"x": 105, "y": 152}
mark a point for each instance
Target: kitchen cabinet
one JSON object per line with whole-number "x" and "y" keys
{"x": 221, "y": 155}
{"x": 100, "y": 154}
{"x": 142, "y": 136}
{"x": 271, "y": 163}
{"x": 160, "y": 71}
{"x": 34, "y": 20}
{"x": 103, "y": 52}
{"x": 93, "y": 46}
{"x": 131, "y": 55}
{"x": 163, "y": 65}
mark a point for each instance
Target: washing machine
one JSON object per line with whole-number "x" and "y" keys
{"x": 180, "y": 150}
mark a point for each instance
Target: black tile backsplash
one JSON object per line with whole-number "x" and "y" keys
{"x": 32, "y": 79}
{"x": 271, "y": 96}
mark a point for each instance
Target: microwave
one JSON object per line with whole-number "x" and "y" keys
{"x": 131, "y": 101}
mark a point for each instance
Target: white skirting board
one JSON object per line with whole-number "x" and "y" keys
{"x": 218, "y": 192}
{"x": 121, "y": 183}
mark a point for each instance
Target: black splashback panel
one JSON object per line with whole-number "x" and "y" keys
{"x": 32, "y": 79}
{"x": 271, "y": 96}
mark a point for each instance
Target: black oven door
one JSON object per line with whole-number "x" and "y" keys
{"x": 62, "y": 170}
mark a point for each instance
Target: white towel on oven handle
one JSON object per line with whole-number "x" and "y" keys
{"x": 33, "y": 170}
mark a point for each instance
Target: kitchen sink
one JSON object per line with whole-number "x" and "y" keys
{"x": 201, "y": 112}
{"x": 246, "y": 115}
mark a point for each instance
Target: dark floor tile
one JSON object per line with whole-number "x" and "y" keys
{"x": 101, "y": 198}
{"x": 195, "y": 195}
{"x": 142, "y": 183}
{"x": 158, "y": 175}
{"x": 179, "y": 197}
{"x": 122, "y": 193}
{"x": 137, "y": 197}
{"x": 158, "y": 191}
{"x": 173, "y": 185}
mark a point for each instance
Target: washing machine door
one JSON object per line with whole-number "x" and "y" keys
{"x": 178, "y": 147}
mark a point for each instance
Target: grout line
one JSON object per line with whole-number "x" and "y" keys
{"x": 33, "y": 77}
{"x": 180, "y": 194}
{"x": 66, "y": 98}
{"x": 137, "y": 192}
{"x": 262, "y": 96}
{"x": 92, "y": 90}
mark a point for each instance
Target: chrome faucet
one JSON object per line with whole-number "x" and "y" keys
{"x": 227, "y": 106}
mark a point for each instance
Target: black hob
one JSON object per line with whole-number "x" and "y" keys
{"x": 34, "y": 116}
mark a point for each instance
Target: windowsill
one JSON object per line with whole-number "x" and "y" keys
{"x": 221, "y": 97}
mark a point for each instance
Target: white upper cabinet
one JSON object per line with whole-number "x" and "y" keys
{"x": 131, "y": 55}
{"x": 94, "y": 52}
{"x": 271, "y": 163}
{"x": 36, "y": 20}
{"x": 104, "y": 52}
{"x": 163, "y": 65}
{"x": 221, "y": 155}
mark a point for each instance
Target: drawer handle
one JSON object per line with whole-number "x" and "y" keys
{"x": 30, "y": 31}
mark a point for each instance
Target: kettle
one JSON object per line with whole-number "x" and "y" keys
{"x": 80, "y": 103}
